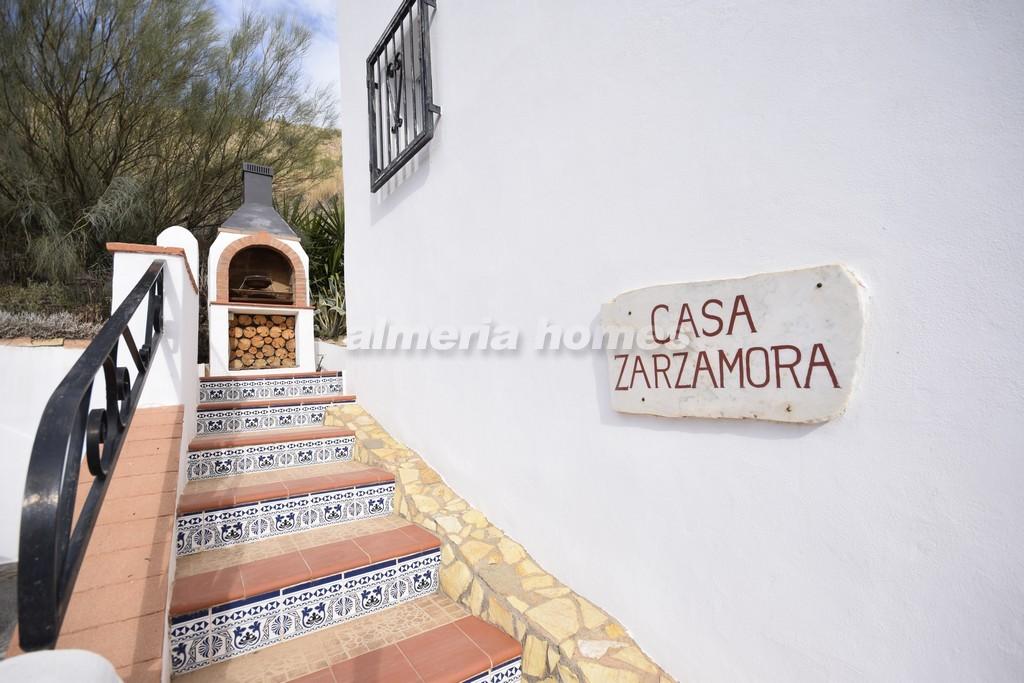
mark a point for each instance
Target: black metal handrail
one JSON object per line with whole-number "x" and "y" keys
{"x": 50, "y": 548}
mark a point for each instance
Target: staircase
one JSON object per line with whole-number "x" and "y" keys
{"x": 293, "y": 566}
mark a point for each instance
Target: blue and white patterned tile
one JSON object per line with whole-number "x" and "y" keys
{"x": 210, "y": 530}
{"x": 508, "y": 672}
{"x": 262, "y": 388}
{"x": 235, "y": 420}
{"x": 232, "y": 630}
{"x": 225, "y": 462}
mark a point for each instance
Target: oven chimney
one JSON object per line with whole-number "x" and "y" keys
{"x": 257, "y": 214}
{"x": 257, "y": 182}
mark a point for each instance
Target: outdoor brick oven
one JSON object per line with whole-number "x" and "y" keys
{"x": 260, "y": 314}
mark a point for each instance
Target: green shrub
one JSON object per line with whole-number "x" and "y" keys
{"x": 86, "y": 298}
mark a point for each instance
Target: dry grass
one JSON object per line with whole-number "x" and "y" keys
{"x": 45, "y": 325}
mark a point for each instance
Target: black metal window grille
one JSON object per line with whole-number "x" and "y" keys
{"x": 399, "y": 91}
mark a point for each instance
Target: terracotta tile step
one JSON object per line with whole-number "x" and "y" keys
{"x": 205, "y": 443}
{"x": 229, "y": 556}
{"x": 333, "y": 645}
{"x": 451, "y": 653}
{"x": 245, "y": 479}
{"x": 275, "y": 402}
{"x": 254, "y": 375}
{"x": 265, "y": 578}
{"x": 219, "y": 499}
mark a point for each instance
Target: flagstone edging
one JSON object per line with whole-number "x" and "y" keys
{"x": 565, "y": 637}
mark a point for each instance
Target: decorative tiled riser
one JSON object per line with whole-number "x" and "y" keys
{"x": 494, "y": 576}
{"x": 258, "y": 419}
{"x": 261, "y": 621}
{"x": 268, "y": 387}
{"x": 508, "y": 672}
{"x": 224, "y": 462}
{"x": 247, "y": 523}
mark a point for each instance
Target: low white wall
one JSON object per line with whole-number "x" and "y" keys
{"x": 332, "y": 356}
{"x": 589, "y": 147}
{"x": 31, "y": 374}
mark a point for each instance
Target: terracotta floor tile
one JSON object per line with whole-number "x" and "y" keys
{"x": 252, "y": 494}
{"x": 444, "y": 654}
{"x": 370, "y": 475}
{"x": 124, "y": 642}
{"x": 131, "y": 534}
{"x": 271, "y": 436}
{"x": 273, "y": 402}
{"x": 421, "y": 537}
{"x": 155, "y": 431}
{"x": 387, "y": 664}
{"x": 322, "y": 676}
{"x": 137, "y": 507}
{"x": 116, "y": 602}
{"x": 209, "y": 500}
{"x": 145, "y": 417}
{"x": 131, "y": 464}
{"x": 120, "y": 596}
{"x": 273, "y": 573}
{"x": 314, "y": 652}
{"x": 334, "y": 557}
{"x": 126, "y": 486}
{"x": 387, "y": 545}
{"x": 299, "y": 487}
{"x": 141, "y": 672}
{"x": 204, "y": 590}
{"x": 496, "y": 644}
{"x": 279, "y": 545}
{"x": 103, "y": 569}
{"x": 272, "y": 476}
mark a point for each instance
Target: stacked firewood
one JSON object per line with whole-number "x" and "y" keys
{"x": 261, "y": 341}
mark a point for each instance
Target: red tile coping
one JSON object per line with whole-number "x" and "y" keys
{"x": 242, "y": 495}
{"x": 209, "y": 589}
{"x": 275, "y": 402}
{"x": 256, "y": 375}
{"x": 130, "y": 248}
{"x": 448, "y": 654}
{"x": 209, "y": 442}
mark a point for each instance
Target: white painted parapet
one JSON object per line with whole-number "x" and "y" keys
{"x": 173, "y": 379}
{"x": 59, "y": 666}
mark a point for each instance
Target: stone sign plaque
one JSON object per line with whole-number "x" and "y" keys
{"x": 778, "y": 346}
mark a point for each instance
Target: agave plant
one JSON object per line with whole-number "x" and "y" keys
{"x": 329, "y": 317}
{"x": 322, "y": 228}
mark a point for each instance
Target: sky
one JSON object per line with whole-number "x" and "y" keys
{"x": 321, "y": 62}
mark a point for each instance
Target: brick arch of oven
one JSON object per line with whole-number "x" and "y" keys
{"x": 262, "y": 239}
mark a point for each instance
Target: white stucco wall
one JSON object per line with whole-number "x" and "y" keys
{"x": 31, "y": 374}
{"x": 590, "y": 147}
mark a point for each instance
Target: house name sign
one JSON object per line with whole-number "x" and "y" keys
{"x": 776, "y": 346}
